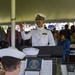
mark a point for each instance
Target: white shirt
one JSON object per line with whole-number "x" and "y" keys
{"x": 40, "y": 37}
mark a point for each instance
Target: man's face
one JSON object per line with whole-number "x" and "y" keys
{"x": 39, "y": 22}
{"x": 62, "y": 37}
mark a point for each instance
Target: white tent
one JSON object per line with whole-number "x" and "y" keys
{"x": 55, "y": 10}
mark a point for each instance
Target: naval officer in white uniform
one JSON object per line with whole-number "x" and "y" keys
{"x": 40, "y": 36}
{"x": 10, "y": 58}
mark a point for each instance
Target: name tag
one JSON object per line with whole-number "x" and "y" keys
{"x": 44, "y": 33}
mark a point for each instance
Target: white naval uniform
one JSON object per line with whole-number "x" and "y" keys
{"x": 40, "y": 37}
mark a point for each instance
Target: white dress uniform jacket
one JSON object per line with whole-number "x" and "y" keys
{"x": 40, "y": 37}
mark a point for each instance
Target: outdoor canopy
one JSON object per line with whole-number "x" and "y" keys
{"x": 55, "y": 10}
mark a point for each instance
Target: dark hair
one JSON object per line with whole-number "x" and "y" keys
{"x": 10, "y": 63}
{"x": 66, "y": 26}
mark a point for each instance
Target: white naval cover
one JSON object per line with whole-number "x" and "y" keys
{"x": 31, "y": 51}
{"x": 12, "y": 52}
{"x": 40, "y": 14}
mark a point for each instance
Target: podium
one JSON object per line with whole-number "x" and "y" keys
{"x": 49, "y": 56}
{"x": 53, "y": 53}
